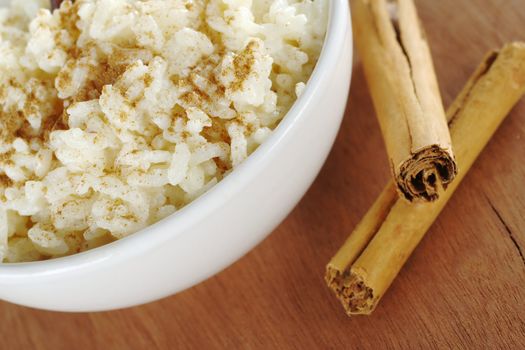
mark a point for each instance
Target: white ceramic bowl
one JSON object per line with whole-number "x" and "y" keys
{"x": 218, "y": 228}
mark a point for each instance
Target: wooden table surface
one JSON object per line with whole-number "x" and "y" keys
{"x": 464, "y": 287}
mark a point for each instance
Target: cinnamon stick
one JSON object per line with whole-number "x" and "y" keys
{"x": 400, "y": 74}
{"x": 363, "y": 269}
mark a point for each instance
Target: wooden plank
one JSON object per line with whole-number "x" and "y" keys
{"x": 463, "y": 288}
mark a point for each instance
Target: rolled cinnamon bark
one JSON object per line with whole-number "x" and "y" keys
{"x": 400, "y": 74}
{"x": 366, "y": 265}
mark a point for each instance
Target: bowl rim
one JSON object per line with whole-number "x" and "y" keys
{"x": 176, "y": 224}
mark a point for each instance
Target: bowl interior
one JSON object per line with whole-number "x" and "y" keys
{"x": 198, "y": 209}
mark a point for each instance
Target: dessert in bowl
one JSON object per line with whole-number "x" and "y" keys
{"x": 175, "y": 137}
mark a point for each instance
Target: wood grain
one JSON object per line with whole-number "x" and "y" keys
{"x": 463, "y": 288}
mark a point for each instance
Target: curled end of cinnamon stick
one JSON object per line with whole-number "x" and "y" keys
{"x": 352, "y": 291}
{"x": 423, "y": 175}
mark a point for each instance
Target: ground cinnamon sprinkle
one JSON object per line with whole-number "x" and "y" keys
{"x": 243, "y": 63}
{"x": 4, "y": 180}
{"x": 116, "y": 113}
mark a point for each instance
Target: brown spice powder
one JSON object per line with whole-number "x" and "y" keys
{"x": 243, "y": 64}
